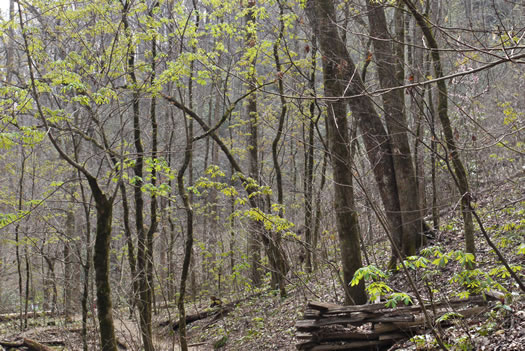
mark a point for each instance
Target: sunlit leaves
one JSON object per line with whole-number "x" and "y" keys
{"x": 9, "y": 218}
{"x": 368, "y": 273}
{"x": 395, "y": 298}
{"x": 6, "y": 140}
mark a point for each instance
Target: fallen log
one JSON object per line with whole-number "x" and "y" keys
{"x": 30, "y": 344}
{"x": 218, "y": 311}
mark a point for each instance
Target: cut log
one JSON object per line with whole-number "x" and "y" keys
{"x": 321, "y": 306}
{"x": 336, "y": 336}
{"x": 311, "y": 314}
{"x": 325, "y": 326}
{"x": 359, "y": 345}
{"x": 476, "y": 300}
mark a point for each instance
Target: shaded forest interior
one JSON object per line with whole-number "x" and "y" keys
{"x": 166, "y": 164}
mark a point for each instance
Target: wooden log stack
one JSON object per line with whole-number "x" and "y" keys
{"x": 327, "y": 327}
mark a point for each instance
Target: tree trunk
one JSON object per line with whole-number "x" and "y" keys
{"x": 453, "y": 155}
{"x": 254, "y": 244}
{"x": 68, "y": 267}
{"x": 279, "y": 260}
{"x": 390, "y": 72}
{"x": 86, "y": 265}
{"x": 375, "y": 137}
{"x": 309, "y": 170}
{"x": 104, "y": 207}
{"x": 143, "y": 253}
{"x": 339, "y": 145}
{"x": 188, "y": 248}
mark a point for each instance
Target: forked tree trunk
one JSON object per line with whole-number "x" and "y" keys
{"x": 390, "y": 72}
{"x": 376, "y": 140}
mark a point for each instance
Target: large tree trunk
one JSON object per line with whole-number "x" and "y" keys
{"x": 375, "y": 137}
{"x": 104, "y": 207}
{"x": 339, "y": 145}
{"x": 390, "y": 72}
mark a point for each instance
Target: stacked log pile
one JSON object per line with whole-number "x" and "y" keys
{"x": 374, "y": 327}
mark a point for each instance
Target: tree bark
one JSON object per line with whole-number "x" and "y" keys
{"x": 275, "y": 239}
{"x": 452, "y": 152}
{"x": 144, "y": 296}
{"x": 309, "y": 170}
{"x": 375, "y": 137}
{"x": 189, "y": 241}
{"x": 254, "y": 244}
{"x": 68, "y": 267}
{"x": 104, "y": 208}
{"x": 390, "y": 71}
{"x": 339, "y": 145}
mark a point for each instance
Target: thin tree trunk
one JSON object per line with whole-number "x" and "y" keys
{"x": 132, "y": 262}
{"x": 254, "y": 244}
{"x": 188, "y": 248}
{"x": 153, "y": 200}
{"x": 10, "y": 54}
{"x": 309, "y": 231}
{"x": 459, "y": 169}
{"x": 143, "y": 254}
{"x": 28, "y": 283}
{"x": 17, "y": 240}
{"x": 433, "y": 159}
{"x": 68, "y": 269}
{"x": 318, "y": 211}
{"x": 279, "y": 269}
{"x": 86, "y": 269}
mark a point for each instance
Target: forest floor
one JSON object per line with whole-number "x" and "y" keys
{"x": 266, "y": 321}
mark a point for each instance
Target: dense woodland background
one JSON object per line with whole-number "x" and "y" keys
{"x": 159, "y": 156}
